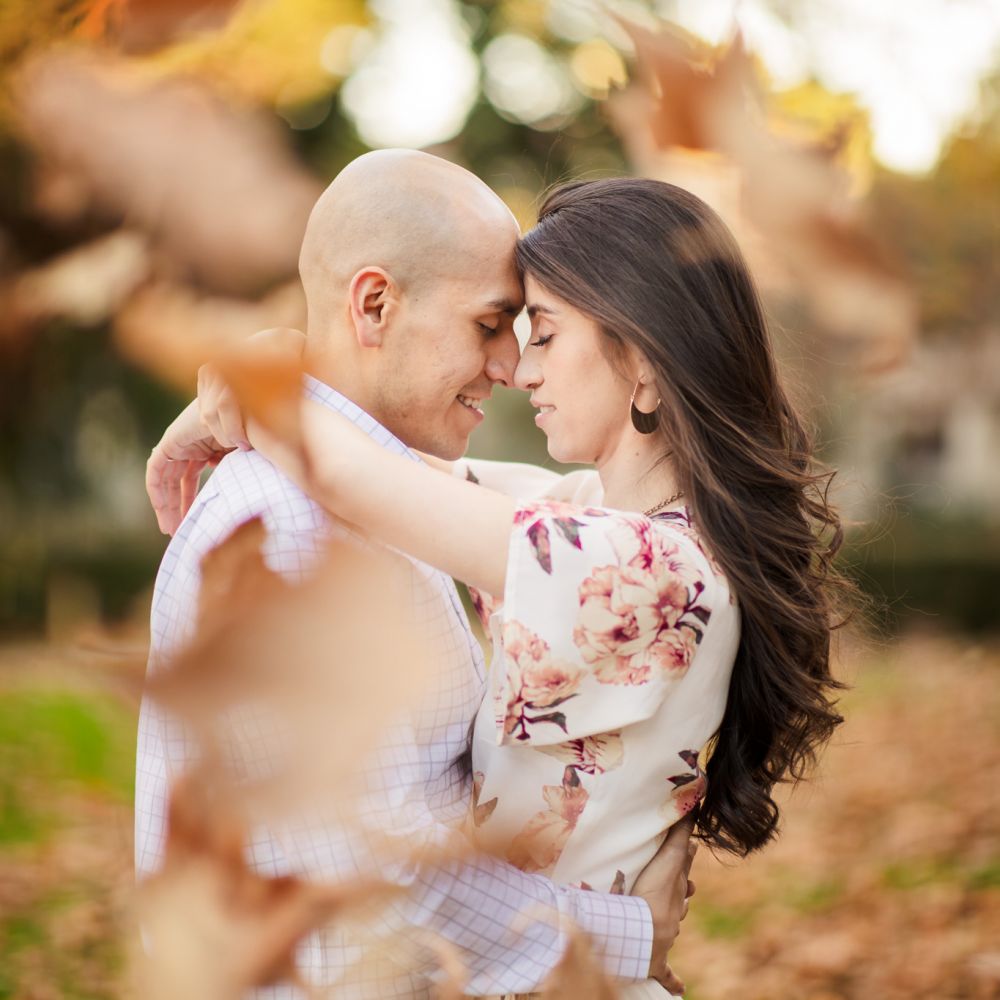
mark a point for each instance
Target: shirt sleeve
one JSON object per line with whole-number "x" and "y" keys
{"x": 509, "y": 928}
{"x": 602, "y": 617}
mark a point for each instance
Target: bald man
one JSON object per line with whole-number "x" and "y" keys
{"x": 411, "y": 287}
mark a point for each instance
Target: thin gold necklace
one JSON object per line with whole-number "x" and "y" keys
{"x": 664, "y": 503}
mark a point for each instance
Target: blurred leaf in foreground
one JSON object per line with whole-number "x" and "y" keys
{"x": 216, "y": 190}
{"x": 216, "y": 928}
{"x": 794, "y": 196}
{"x": 272, "y": 674}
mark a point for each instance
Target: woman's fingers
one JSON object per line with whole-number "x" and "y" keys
{"x": 163, "y": 487}
{"x": 219, "y": 409}
{"x": 174, "y": 466}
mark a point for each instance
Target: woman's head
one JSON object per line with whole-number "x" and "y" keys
{"x": 649, "y": 274}
{"x": 653, "y": 289}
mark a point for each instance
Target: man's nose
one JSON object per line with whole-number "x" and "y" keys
{"x": 502, "y": 358}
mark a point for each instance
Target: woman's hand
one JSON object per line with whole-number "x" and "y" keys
{"x": 204, "y": 432}
{"x": 219, "y": 409}
{"x": 175, "y": 465}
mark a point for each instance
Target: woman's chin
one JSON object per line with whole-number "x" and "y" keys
{"x": 560, "y": 453}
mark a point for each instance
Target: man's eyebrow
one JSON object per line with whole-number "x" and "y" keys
{"x": 506, "y": 306}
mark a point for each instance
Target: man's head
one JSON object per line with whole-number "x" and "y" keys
{"x": 408, "y": 269}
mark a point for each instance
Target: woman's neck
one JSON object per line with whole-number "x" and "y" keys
{"x": 636, "y": 476}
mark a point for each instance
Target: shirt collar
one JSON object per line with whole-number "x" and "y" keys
{"x": 326, "y": 396}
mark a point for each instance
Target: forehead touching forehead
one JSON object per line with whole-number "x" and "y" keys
{"x": 424, "y": 220}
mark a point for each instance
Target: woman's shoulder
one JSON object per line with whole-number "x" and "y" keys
{"x": 653, "y": 543}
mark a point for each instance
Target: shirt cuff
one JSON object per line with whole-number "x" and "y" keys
{"x": 621, "y": 929}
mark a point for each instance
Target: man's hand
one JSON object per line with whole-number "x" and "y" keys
{"x": 175, "y": 464}
{"x": 665, "y": 886}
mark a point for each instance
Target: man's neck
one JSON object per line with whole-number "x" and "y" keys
{"x": 339, "y": 373}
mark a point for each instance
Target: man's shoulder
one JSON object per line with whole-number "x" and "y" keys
{"x": 247, "y": 485}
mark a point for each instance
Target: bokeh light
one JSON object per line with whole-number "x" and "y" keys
{"x": 419, "y": 80}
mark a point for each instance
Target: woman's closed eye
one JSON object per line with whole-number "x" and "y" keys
{"x": 541, "y": 341}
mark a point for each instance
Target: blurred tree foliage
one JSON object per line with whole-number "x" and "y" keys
{"x": 77, "y": 419}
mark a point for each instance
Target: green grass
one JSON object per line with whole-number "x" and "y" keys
{"x": 905, "y": 876}
{"x": 50, "y": 739}
{"x": 59, "y": 750}
{"x": 724, "y": 922}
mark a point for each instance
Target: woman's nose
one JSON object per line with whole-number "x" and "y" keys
{"x": 527, "y": 375}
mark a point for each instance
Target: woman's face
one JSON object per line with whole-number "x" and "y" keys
{"x": 582, "y": 402}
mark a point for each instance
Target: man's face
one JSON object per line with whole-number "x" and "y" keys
{"x": 453, "y": 339}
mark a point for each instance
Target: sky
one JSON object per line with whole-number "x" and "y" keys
{"x": 914, "y": 64}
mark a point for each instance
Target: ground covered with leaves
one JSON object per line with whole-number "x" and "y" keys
{"x": 885, "y": 883}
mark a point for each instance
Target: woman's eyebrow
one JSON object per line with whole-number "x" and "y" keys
{"x": 536, "y": 310}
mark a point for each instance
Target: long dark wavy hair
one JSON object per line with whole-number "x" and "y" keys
{"x": 659, "y": 270}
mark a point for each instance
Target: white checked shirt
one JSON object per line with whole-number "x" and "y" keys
{"x": 488, "y": 910}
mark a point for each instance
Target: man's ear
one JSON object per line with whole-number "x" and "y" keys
{"x": 372, "y": 297}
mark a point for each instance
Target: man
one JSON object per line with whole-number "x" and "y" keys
{"x": 408, "y": 269}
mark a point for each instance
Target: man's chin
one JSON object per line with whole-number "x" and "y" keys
{"x": 448, "y": 448}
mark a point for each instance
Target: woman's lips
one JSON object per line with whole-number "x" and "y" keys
{"x": 543, "y": 412}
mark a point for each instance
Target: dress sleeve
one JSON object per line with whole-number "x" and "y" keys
{"x": 602, "y": 617}
{"x": 531, "y": 482}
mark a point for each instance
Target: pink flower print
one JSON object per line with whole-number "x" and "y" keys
{"x": 480, "y": 812}
{"x": 675, "y": 648}
{"x": 549, "y": 683}
{"x": 483, "y": 604}
{"x": 591, "y": 754}
{"x": 538, "y": 536}
{"x": 534, "y": 681}
{"x": 629, "y": 612}
{"x": 540, "y": 843}
{"x": 689, "y": 789}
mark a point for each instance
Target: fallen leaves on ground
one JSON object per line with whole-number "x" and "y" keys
{"x": 886, "y": 879}
{"x": 885, "y": 883}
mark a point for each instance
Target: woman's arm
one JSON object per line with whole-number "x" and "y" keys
{"x": 454, "y": 525}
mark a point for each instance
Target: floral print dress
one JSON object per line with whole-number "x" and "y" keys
{"x": 613, "y": 647}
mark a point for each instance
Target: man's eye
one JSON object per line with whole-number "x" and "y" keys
{"x": 488, "y": 330}
{"x": 541, "y": 342}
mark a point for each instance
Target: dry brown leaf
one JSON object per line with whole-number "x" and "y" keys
{"x": 291, "y": 683}
{"x": 216, "y": 189}
{"x": 142, "y": 25}
{"x": 579, "y": 975}
{"x": 171, "y": 330}
{"x": 215, "y": 928}
{"x": 795, "y": 197}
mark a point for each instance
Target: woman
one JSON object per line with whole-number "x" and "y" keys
{"x": 678, "y": 596}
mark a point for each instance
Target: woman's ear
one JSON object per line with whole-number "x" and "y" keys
{"x": 372, "y": 298}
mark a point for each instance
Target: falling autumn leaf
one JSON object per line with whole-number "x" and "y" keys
{"x": 216, "y": 189}
{"x": 794, "y": 196}
{"x": 213, "y": 927}
{"x": 269, "y": 662}
{"x": 579, "y": 975}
